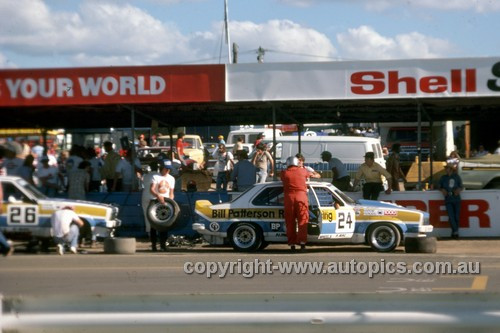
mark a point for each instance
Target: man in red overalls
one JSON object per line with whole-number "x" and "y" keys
{"x": 296, "y": 203}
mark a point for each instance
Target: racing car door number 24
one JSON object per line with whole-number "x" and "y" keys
{"x": 345, "y": 221}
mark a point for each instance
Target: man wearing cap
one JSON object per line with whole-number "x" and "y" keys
{"x": 294, "y": 180}
{"x": 66, "y": 229}
{"x": 48, "y": 177}
{"x": 372, "y": 172}
{"x": 341, "y": 178}
{"x": 162, "y": 186}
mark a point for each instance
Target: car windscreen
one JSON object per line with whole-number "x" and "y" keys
{"x": 32, "y": 189}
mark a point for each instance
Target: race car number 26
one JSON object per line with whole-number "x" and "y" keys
{"x": 22, "y": 215}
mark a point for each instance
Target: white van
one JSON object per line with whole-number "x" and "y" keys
{"x": 349, "y": 149}
{"x": 249, "y": 135}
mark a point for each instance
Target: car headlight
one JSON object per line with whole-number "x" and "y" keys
{"x": 426, "y": 219}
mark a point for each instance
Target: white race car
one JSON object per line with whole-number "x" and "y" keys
{"x": 26, "y": 212}
{"x": 256, "y": 218}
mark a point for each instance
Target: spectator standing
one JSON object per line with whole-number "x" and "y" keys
{"x": 48, "y": 177}
{"x": 11, "y": 163}
{"x": 66, "y": 229}
{"x": 78, "y": 181}
{"x": 142, "y": 141}
{"x": 162, "y": 186}
{"x": 258, "y": 141}
{"x": 302, "y": 160}
{"x": 394, "y": 167}
{"x": 221, "y": 140}
{"x": 450, "y": 185}
{"x": 454, "y": 159}
{"x": 296, "y": 203}
{"x": 96, "y": 164}
{"x": 340, "y": 178}
{"x": 127, "y": 170}
{"x": 244, "y": 173}
{"x": 261, "y": 159}
{"x": 147, "y": 180}
{"x": 27, "y": 169}
{"x": 481, "y": 151}
{"x": 372, "y": 172}
{"x": 238, "y": 145}
{"x": 224, "y": 166}
{"x": 74, "y": 159}
{"x": 111, "y": 159}
{"x": 179, "y": 145}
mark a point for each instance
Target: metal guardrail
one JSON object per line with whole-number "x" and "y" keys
{"x": 251, "y": 312}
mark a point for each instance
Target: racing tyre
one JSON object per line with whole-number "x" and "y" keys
{"x": 117, "y": 245}
{"x": 384, "y": 237}
{"x": 245, "y": 237}
{"x": 421, "y": 245}
{"x": 162, "y": 217}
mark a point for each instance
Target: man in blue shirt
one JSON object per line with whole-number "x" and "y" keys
{"x": 450, "y": 185}
{"x": 244, "y": 174}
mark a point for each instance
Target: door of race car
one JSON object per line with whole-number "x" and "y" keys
{"x": 20, "y": 214}
{"x": 332, "y": 218}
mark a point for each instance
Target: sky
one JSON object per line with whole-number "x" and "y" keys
{"x": 83, "y": 33}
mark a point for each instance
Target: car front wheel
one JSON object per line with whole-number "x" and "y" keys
{"x": 246, "y": 237}
{"x": 384, "y": 237}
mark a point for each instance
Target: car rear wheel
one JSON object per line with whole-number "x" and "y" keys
{"x": 162, "y": 217}
{"x": 384, "y": 237}
{"x": 245, "y": 237}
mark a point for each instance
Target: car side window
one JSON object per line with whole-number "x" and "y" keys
{"x": 271, "y": 196}
{"x": 326, "y": 198}
{"x": 10, "y": 190}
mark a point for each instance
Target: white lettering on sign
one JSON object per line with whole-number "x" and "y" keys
{"x": 31, "y": 88}
{"x": 126, "y": 85}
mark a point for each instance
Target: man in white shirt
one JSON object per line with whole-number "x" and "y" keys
{"x": 162, "y": 186}
{"x": 66, "y": 229}
{"x": 48, "y": 177}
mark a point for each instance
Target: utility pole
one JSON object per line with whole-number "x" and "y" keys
{"x": 260, "y": 54}
{"x": 235, "y": 53}
{"x": 226, "y": 28}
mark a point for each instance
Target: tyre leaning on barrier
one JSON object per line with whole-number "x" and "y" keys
{"x": 420, "y": 245}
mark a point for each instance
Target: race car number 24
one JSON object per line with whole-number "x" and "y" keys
{"x": 345, "y": 220}
{"x": 22, "y": 215}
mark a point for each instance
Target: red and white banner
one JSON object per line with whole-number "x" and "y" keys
{"x": 479, "y": 215}
{"x": 112, "y": 85}
{"x": 424, "y": 78}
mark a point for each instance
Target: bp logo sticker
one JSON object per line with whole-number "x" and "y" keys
{"x": 214, "y": 226}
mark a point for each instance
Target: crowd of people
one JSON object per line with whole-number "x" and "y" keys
{"x": 91, "y": 169}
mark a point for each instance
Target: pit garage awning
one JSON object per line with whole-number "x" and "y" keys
{"x": 199, "y": 95}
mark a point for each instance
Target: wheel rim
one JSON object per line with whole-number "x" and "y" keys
{"x": 244, "y": 237}
{"x": 163, "y": 212}
{"x": 383, "y": 237}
